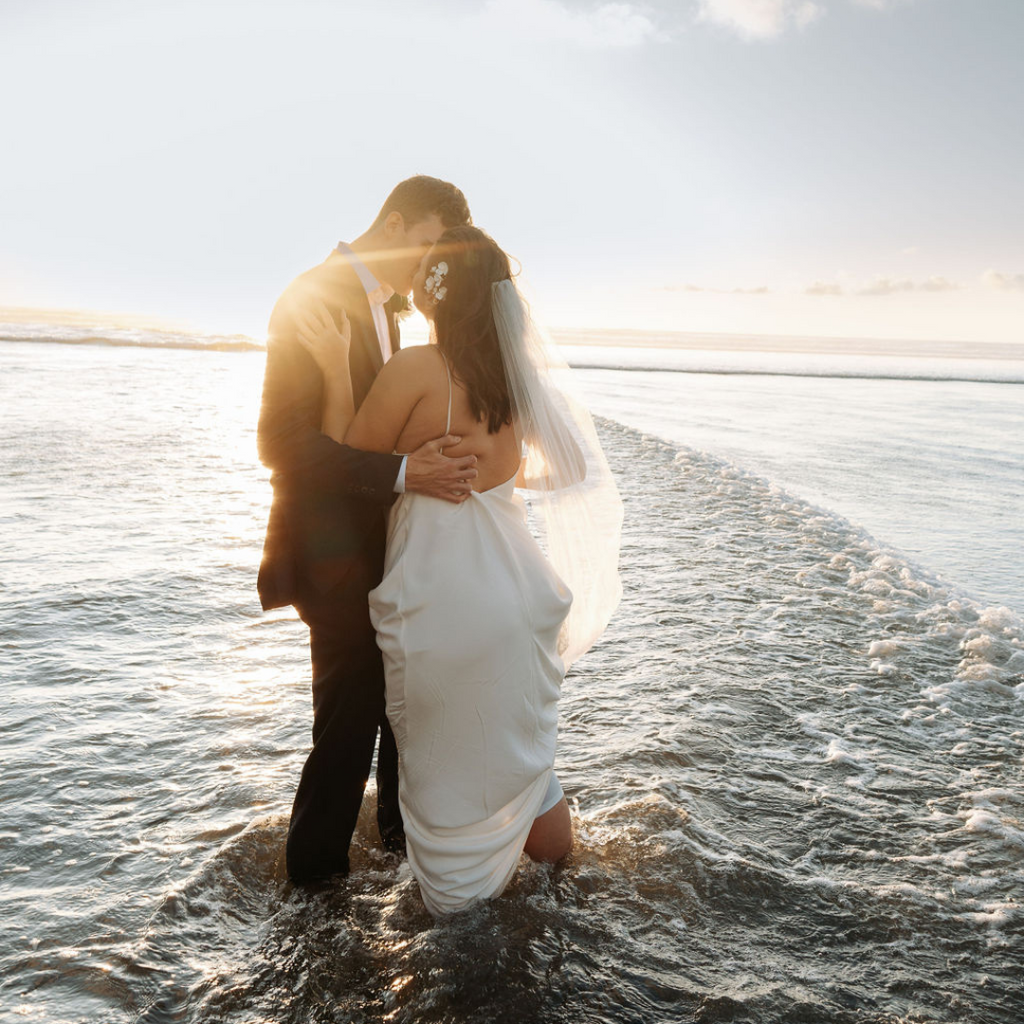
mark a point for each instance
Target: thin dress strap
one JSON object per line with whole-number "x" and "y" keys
{"x": 447, "y": 369}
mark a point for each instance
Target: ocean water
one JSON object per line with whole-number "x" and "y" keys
{"x": 795, "y": 758}
{"x": 934, "y": 468}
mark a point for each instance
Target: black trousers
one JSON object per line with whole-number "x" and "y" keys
{"x": 348, "y": 712}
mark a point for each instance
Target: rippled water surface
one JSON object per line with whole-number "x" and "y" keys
{"x": 933, "y": 467}
{"x": 795, "y": 758}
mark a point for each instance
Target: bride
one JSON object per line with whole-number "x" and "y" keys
{"x": 477, "y": 624}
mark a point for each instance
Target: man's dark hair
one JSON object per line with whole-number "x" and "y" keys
{"x": 419, "y": 197}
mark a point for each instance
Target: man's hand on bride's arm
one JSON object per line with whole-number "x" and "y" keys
{"x": 428, "y": 471}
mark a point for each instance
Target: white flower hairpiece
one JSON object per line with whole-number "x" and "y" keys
{"x": 433, "y": 286}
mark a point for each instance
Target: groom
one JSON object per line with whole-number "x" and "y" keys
{"x": 324, "y": 549}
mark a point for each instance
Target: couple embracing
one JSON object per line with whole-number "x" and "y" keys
{"x": 439, "y": 617}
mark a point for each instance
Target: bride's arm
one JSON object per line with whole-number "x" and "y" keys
{"x": 328, "y": 343}
{"x": 377, "y": 426}
{"x": 400, "y": 386}
{"x": 395, "y": 393}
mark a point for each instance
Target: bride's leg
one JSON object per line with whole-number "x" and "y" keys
{"x": 550, "y": 839}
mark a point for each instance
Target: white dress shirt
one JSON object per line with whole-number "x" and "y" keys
{"x": 377, "y": 294}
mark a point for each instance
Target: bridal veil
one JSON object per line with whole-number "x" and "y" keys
{"x": 574, "y": 503}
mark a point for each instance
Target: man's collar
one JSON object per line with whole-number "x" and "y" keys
{"x": 376, "y": 292}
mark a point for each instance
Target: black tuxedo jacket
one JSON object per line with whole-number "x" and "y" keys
{"x": 327, "y": 520}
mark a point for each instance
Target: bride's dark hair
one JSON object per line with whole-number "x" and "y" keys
{"x": 464, "y": 321}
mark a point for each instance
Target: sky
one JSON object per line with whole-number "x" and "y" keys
{"x": 849, "y": 168}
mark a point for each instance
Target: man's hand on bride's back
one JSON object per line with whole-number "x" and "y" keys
{"x": 428, "y": 471}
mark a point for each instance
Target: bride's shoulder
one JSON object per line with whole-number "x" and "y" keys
{"x": 414, "y": 361}
{"x": 411, "y": 373}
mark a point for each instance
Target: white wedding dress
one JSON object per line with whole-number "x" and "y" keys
{"x": 468, "y": 617}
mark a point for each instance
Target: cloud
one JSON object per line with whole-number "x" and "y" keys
{"x": 767, "y": 19}
{"x": 759, "y": 19}
{"x": 878, "y": 286}
{"x": 823, "y": 288}
{"x": 1003, "y": 282}
{"x": 937, "y": 284}
{"x": 885, "y": 286}
{"x": 759, "y": 290}
{"x": 891, "y": 285}
{"x": 606, "y": 26}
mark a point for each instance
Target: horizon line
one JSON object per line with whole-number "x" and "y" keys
{"x": 572, "y": 336}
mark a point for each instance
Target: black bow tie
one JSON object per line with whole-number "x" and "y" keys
{"x": 398, "y": 304}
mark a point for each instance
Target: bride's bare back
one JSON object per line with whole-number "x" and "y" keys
{"x": 410, "y": 396}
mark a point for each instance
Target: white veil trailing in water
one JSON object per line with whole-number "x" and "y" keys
{"x": 570, "y": 488}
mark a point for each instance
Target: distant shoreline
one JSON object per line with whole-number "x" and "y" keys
{"x": 794, "y": 344}
{"x": 591, "y": 360}
{"x": 830, "y": 373}
{"x": 66, "y": 327}
{"x": 97, "y": 319}
{"x": 192, "y": 346}
{"x": 994, "y": 351}
{"x": 176, "y": 334}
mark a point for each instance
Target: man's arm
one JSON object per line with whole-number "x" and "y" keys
{"x": 289, "y": 438}
{"x": 380, "y": 420}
